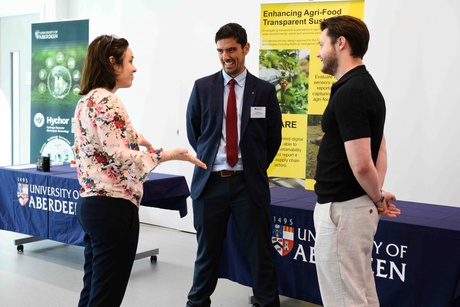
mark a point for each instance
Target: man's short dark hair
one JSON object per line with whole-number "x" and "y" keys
{"x": 232, "y": 30}
{"x": 352, "y": 28}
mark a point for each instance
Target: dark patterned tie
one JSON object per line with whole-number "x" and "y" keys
{"x": 232, "y": 130}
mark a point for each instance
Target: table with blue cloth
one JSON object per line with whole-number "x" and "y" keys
{"x": 416, "y": 256}
{"x": 43, "y": 204}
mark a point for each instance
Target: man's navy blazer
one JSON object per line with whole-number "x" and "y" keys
{"x": 260, "y": 138}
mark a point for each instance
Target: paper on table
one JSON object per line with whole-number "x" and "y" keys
{"x": 25, "y": 166}
{"x": 22, "y": 166}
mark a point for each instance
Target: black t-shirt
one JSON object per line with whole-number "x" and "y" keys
{"x": 356, "y": 109}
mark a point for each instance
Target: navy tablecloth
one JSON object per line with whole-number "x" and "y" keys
{"x": 416, "y": 257}
{"x": 42, "y": 204}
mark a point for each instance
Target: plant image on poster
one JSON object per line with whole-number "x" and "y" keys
{"x": 289, "y": 71}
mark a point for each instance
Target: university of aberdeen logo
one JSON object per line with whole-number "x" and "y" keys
{"x": 282, "y": 238}
{"x": 23, "y": 193}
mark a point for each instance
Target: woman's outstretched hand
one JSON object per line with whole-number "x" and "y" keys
{"x": 182, "y": 155}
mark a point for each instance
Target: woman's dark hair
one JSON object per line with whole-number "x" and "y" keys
{"x": 352, "y": 28}
{"x": 98, "y": 71}
{"x": 232, "y": 30}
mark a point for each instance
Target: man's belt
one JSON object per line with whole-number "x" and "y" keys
{"x": 226, "y": 173}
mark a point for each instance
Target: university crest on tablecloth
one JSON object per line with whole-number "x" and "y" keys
{"x": 282, "y": 238}
{"x": 23, "y": 193}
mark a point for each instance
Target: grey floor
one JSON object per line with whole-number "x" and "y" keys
{"x": 49, "y": 273}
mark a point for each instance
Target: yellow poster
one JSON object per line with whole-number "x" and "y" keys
{"x": 289, "y": 35}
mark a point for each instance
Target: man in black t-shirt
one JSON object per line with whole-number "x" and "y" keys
{"x": 352, "y": 163}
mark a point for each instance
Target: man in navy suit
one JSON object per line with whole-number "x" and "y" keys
{"x": 242, "y": 189}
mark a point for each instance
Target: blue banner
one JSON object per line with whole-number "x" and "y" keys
{"x": 58, "y": 54}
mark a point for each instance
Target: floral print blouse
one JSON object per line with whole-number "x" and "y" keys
{"x": 108, "y": 159}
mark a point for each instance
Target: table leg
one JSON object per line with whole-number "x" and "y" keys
{"x": 150, "y": 253}
{"x": 19, "y": 242}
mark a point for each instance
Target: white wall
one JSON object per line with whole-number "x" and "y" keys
{"x": 413, "y": 57}
{"x": 20, "y": 44}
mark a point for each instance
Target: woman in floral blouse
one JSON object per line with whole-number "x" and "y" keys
{"x": 111, "y": 170}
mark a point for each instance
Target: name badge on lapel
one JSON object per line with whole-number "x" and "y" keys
{"x": 257, "y": 112}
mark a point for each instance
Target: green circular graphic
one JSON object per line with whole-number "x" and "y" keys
{"x": 59, "y": 81}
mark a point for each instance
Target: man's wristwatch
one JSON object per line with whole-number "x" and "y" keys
{"x": 381, "y": 200}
